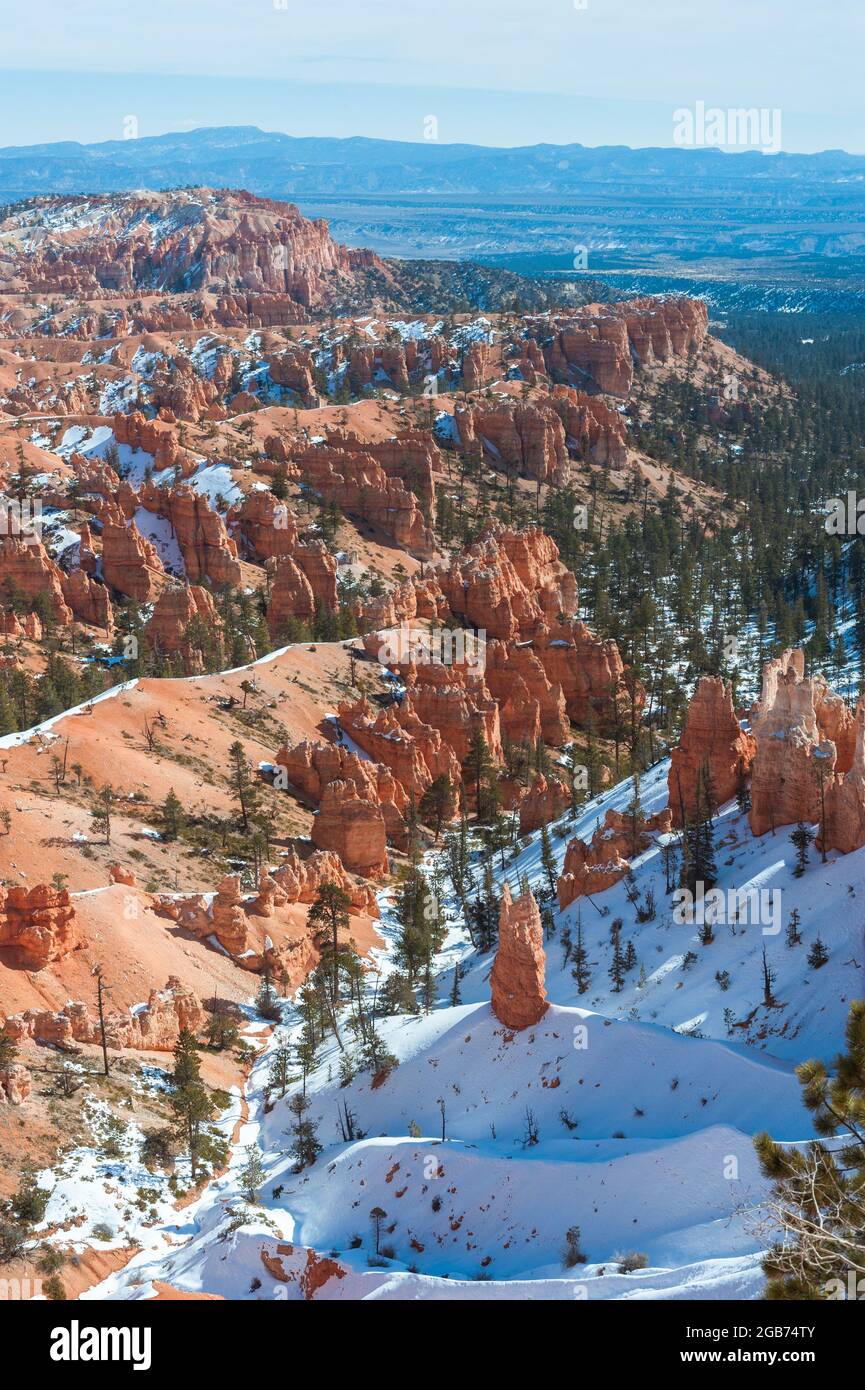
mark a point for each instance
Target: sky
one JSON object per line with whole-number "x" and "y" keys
{"x": 494, "y": 72}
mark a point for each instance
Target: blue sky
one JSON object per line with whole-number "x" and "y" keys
{"x": 497, "y": 72}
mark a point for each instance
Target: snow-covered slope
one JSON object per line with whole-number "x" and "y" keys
{"x": 808, "y": 1016}
{"x": 627, "y": 1114}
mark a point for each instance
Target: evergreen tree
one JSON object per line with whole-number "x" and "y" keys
{"x": 279, "y": 1076}
{"x": 478, "y": 768}
{"x": 581, "y": 972}
{"x": 8, "y": 721}
{"x": 457, "y": 858}
{"x": 617, "y": 965}
{"x": 818, "y": 1188}
{"x": 483, "y": 914}
{"x": 306, "y": 1052}
{"x": 328, "y": 916}
{"x": 305, "y": 1147}
{"x": 548, "y": 862}
{"x": 437, "y": 802}
{"x": 699, "y": 871}
{"x": 172, "y": 817}
{"x": 421, "y": 930}
{"x": 252, "y": 1174}
{"x": 240, "y": 781}
{"x": 102, "y": 811}
{"x": 793, "y": 935}
{"x": 636, "y": 815}
{"x": 8, "y": 1051}
{"x": 190, "y": 1099}
{"x": 818, "y": 955}
{"x": 768, "y": 981}
{"x": 801, "y": 837}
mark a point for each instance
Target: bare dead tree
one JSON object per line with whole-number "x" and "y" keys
{"x": 101, "y": 990}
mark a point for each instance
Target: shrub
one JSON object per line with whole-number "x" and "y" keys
{"x": 50, "y": 1259}
{"x": 573, "y": 1251}
{"x": 29, "y": 1202}
{"x": 54, "y": 1289}
{"x": 159, "y": 1149}
{"x": 633, "y": 1260}
{"x": 112, "y": 1138}
{"x": 12, "y": 1238}
{"x": 267, "y": 1004}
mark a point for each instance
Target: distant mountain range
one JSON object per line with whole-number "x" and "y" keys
{"x": 788, "y": 228}
{"x": 281, "y": 165}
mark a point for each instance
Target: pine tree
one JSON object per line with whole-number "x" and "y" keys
{"x": 818, "y": 955}
{"x": 421, "y": 928}
{"x": 252, "y": 1174}
{"x": 498, "y": 836}
{"x": 377, "y": 1215}
{"x": 482, "y": 922}
{"x": 190, "y": 1099}
{"x": 172, "y": 817}
{"x": 794, "y": 936}
{"x": 437, "y": 802}
{"x": 617, "y": 965}
{"x": 305, "y": 1147}
{"x": 818, "y": 1188}
{"x": 8, "y": 1051}
{"x": 457, "y": 858}
{"x": 594, "y": 762}
{"x": 102, "y": 811}
{"x": 635, "y": 814}
{"x": 240, "y": 781}
{"x": 699, "y": 872}
{"x": 769, "y": 976}
{"x": 819, "y": 767}
{"x": 8, "y": 722}
{"x": 279, "y": 1075}
{"x": 478, "y": 766}
{"x": 328, "y": 917}
{"x": 709, "y": 807}
{"x": 581, "y": 972}
{"x": 801, "y": 838}
{"x": 548, "y": 862}
{"x": 306, "y": 1053}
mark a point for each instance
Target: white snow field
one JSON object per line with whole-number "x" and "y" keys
{"x": 643, "y": 1104}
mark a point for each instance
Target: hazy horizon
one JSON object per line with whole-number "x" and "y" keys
{"x": 358, "y": 135}
{"x": 594, "y": 72}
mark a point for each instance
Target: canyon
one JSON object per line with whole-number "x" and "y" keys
{"x": 342, "y": 749}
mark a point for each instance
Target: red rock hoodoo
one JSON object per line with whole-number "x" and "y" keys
{"x": 793, "y": 752}
{"x": 354, "y": 828}
{"x": 593, "y": 867}
{"x": 519, "y": 998}
{"x": 155, "y": 1026}
{"x": 712, "y": 738}
{"x": 38, "y": 925}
